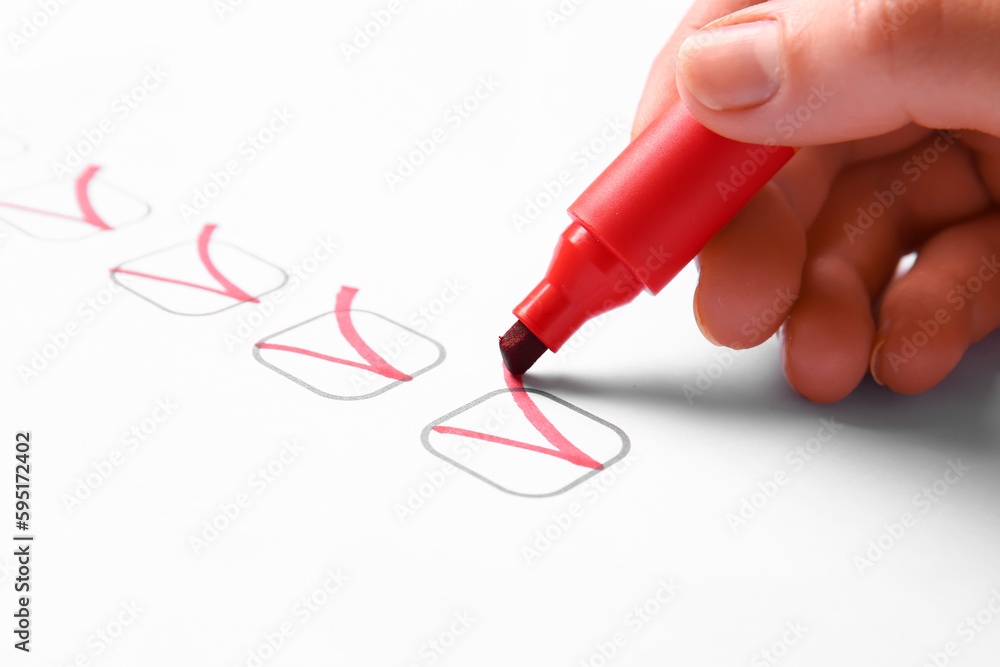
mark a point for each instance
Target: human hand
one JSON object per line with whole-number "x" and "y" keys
{"x": 857, "y": 84}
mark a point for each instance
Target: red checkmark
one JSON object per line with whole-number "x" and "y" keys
{"x": 228, "y": 288}
{"x": 375, "y": 363}
{"x": 88, "y": 214}
{"x": 564, "y": 449}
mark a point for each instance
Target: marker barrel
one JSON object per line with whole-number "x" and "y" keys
{"x": 644, "y": 219}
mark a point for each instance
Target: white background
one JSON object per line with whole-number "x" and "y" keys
{"x": 334, "y": 507}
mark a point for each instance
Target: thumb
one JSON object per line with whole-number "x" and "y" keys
{"x": 825, "y": 71}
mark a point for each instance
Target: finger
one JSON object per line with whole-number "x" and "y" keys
{"x": 755, "y": 260}
{"x": 827, "y": 337}
{"x": 751, "y": 270}
{"x": 748, "y": 267}
{"x": 660, "y": 92}
{"x": 825, "y": 71}
{"x": 987, "y": 149}
{"x": 947, "y": 301}
{"x": 749, "y": 273}
{"x": 872, "y": 217}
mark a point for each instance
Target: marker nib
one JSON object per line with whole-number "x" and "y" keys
{"x": 520, "y": 348}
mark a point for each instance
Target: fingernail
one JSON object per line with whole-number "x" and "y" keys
{"x": 700, "y": 323}
{"x": 873, "y": 362}
{"x": 734, "y": 66}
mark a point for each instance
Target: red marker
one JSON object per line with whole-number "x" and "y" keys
{"x": 645, "y": 217}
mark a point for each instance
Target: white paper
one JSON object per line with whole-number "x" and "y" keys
{"x": 199, "y": 499}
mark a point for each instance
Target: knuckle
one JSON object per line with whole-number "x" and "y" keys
{"x": 898, "y": 29}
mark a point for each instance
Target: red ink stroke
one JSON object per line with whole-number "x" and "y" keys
{"x": 375, "y": 363}
{"x": 82, "y": 200}
{"x": 564, "y": 449}
{"x": 228, "y": 288}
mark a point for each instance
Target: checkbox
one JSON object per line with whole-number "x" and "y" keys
{"x": 349, "y": 354}
{"x": 71, "y": 210}
{"x": 200, "y": 277}
{"x": 525, "y": 441}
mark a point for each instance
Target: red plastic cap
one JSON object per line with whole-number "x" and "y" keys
{"x": 644, "y": 219}
{"x": 584, "y": 280}
{"x": 670, "y": 191}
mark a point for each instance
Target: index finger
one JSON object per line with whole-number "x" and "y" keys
{"x": 661, "y": 87}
